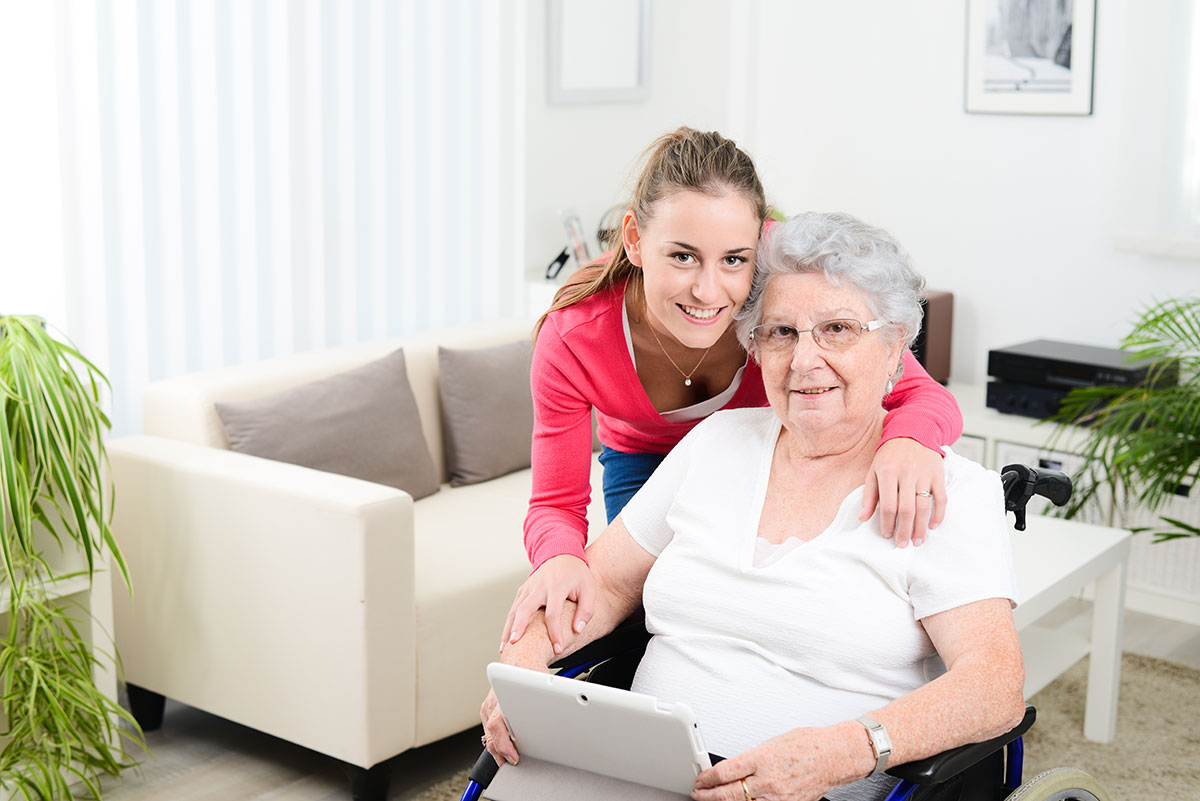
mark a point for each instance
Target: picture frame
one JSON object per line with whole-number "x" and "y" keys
{"x": 597, "y": 52}
{"x": 1030, "y": 56}
{"x": 577, "y": 243}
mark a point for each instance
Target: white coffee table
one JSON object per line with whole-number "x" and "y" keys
{"x": 1055, "y": 559}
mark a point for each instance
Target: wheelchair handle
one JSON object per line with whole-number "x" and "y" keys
{"x": 1022, "y": 482}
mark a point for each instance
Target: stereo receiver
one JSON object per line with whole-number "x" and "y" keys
{"x": 1034, "y": 377}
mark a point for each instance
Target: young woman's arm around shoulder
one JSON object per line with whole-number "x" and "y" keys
{"x": 922, "y": 416}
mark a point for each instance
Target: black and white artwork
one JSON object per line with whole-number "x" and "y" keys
{"x": 1030, "y": 56}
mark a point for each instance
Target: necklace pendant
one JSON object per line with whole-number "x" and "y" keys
{"x": 687, "y": 382}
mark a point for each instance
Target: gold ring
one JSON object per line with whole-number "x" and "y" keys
{"x": 485, "y": 738}
{"x": 746, "y": 791}
{"x": 925, "y": 493}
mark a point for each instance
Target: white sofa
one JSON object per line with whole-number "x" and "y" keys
{"x": 329, "y": 611}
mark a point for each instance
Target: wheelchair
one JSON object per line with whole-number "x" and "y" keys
{"x": 987, "y": 771}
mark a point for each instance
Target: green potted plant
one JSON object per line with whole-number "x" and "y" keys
{"x": 1141, "y": 445}
{"x": 61, "y": 731}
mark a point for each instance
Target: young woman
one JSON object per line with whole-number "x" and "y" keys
{"x": 647, "y": 341}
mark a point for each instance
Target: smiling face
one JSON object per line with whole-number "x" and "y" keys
{"x": 825, "y": 395}
{"x": 697, "y": 260}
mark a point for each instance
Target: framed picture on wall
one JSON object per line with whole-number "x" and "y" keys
{"x": 597, "y": 52}
{"x": 1030, "y": 56}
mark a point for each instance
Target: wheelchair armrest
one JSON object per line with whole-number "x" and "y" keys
{"x": 943, "y": 766}
{"x": 628, "y": 636}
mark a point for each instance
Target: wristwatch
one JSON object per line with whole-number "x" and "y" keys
{"x": 881, "y": 744}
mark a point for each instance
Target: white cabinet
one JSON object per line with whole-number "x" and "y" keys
{"x": 1164, "y": 578}
{"x": 1004, "y": 435}
{"x": 1015, "y": 452}
{"x": 972, "y": 447}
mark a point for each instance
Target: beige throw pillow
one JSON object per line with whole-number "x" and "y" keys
{"x": 487, "y": 410}
{"x": 361, "y": 423}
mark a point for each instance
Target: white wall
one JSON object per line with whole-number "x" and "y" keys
{"x": 583, "y": 155}
{"x": 861, "y": 110}
{"x": 1014, "y": 214}
{"x": 31, "y": 248}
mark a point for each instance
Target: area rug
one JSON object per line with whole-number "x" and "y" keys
{"x": 1156, "y": 754}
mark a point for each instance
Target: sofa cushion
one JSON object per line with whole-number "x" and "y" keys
{"x": 487, "y": 410}
{"x": 361, "y": 423}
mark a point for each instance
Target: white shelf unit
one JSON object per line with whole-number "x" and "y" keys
{"x": 1164, "y": 578}
{"x": 93, "y": 602}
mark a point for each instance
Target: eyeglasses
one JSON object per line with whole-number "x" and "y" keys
{"x": 831, "y": 334}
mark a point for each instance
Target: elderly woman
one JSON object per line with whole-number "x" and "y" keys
{"x": 794, "y": 631}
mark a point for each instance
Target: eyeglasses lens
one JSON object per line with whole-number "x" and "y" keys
{"x": 837, "y": 334}
{"x": 831, "y": 334}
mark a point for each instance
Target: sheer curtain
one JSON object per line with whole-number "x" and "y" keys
{"x": 1159, "y": 183}
{"x": 246, "y": 178}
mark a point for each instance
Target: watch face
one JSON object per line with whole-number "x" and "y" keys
{"x": 881, "y": 743}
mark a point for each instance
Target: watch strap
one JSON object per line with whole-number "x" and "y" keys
{"x": 881, "y": 744}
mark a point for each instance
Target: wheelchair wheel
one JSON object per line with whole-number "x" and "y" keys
{"x": 1060, "y": 784}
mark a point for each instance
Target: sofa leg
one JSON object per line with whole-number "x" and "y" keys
{"x": 369, "y": 784}
{"x": 146, "y": 706}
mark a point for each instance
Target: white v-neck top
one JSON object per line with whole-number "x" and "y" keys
{"x": 697, "y": 411}
{"x": 819, "y": 632}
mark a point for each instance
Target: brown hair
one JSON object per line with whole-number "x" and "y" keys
{"x": 685, "y": 159}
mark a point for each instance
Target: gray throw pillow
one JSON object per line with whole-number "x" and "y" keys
{"x": 361, "y": 423}
{"x": 487, "y": 410}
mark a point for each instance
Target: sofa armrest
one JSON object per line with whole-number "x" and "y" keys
{"x": 273, "y": 595}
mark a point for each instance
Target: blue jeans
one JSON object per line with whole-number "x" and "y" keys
{"x": 624, "y": 475}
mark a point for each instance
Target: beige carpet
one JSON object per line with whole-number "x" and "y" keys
{"x": 1156, "y": 754}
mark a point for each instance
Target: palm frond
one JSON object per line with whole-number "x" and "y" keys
{"x": 1142, "y": 444}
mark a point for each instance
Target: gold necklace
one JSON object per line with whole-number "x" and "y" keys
{"x": 687, "y": 377}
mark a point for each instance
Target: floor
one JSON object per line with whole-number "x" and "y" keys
{"x": 197, "y": 756}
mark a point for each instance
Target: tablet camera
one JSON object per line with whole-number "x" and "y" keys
{"x": 583, "y": 699}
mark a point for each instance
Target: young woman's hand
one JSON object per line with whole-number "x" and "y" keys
{"x": 558, "y": 579}
{"x": 904, "y": 469}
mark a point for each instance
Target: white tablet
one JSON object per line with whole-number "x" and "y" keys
{"x": 600, "y": 729}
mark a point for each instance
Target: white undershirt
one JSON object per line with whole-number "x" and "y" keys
{"x": 819, "y": 632}
{"x": 697, "y": 411}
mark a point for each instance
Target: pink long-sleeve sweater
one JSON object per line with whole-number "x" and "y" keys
{"x": 581, "y": 360}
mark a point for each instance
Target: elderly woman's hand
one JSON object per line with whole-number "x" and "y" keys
{"x": 903, "y": 470}
{"x": 801, "y": 765}
{"x": 495, "y": 732}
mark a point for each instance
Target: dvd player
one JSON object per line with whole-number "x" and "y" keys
{"x": 1034, "y": 377}
{"x": 1047, "y": 363}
